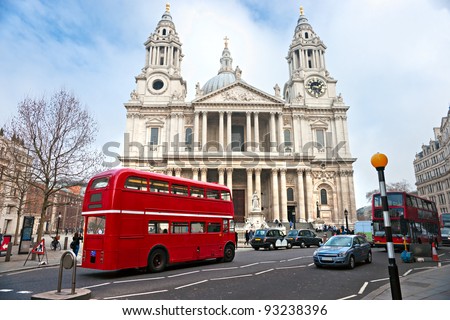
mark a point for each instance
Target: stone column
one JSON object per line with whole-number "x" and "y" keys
{"x": 196, "y": 139}
{"x": 280, "y": 144}
{"x": 195, "y": 174}
{"x": 275, "y": 204}
{"x": 301, "y": 195}
{"x": 256, "y": 128}
{"x": 283, "y": 195}
{"x": 273, "y": 139}
{"x": 249, "y": 190}
{"x": 309, "y": 197}
{"x": 221, "y": 171}
{"x": 177, "y": 172}
{"x": 258, "y": 183}
{"x": 230, "y": 179}
{"x": 169, "y": 171}
{"x": 221, "y": 141}
{"x": 204, "y": 130}
{"x": 229, "y": 124}
{"x": 248, "y": 131}
{"x": 204, "y": 172}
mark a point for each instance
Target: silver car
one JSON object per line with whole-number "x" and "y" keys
{"x": 343, "y": 250}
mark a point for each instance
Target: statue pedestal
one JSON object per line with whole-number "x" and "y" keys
{"x": 256, "y": 220}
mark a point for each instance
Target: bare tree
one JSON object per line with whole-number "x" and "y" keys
{"x": 58, "y": 134}
{"x": 395, "y": 186}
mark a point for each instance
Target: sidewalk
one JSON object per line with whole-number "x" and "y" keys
{"x": 17, "y": 261}
{"x": 433, "y": 284}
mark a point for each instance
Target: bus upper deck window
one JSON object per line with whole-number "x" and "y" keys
{"x": 100, "y": 183}
{"x": 212, "y": 194}
{"x": 226, "y": 195}
{"x": 136, "y": 183}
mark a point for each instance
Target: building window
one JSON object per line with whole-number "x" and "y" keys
{"x": 290, "y": 194}
{"x": 323, "y": 196}
{"x": 154, "y": 132}
{"x": 287, "y": 138}
{"x": 320, "y": 138}
{"x": 188, "y": 139}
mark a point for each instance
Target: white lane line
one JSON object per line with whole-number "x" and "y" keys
{"x": 262, "y": 272}
{"x": 270, "y": 261}
{"x": 220, "y": 269}
{"x": 349, "y": 297}
{"x": 407, "y": 272}
{"x": 6, "y": 290}
{"x": 311, "y": 264}
{"x": 249, "y": 265}
{"x": 363, "y": 288}
{"x": 97, "y": 285}
{"x": 190, "y": 284}
{"x": 138, "y": 280}
{"x": 292, "y": 267}
{"x": 232, "y": 277}
{"x": 296, "y": 258}
{"x": 135, "y": 294}
{"x": 377, "y": 280}
{"x": 182, "y": 274}
{"x": 24, "y": 292}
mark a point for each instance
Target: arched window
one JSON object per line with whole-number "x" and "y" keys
{"x": 290, "y": 194}
{"x": 323, "y": 196}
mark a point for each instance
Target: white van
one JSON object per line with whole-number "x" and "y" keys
{"x": 365, "y": 228}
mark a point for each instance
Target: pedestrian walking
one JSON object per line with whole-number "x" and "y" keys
{"x": 75, "y": 244}
{"x": 247, "y": 237}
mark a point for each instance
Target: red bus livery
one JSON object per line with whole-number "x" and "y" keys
{"x": 413, "y": 219}
{"x": 137, "y": 219}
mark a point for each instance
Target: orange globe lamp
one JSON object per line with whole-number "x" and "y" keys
{"x": 379, "y": 160}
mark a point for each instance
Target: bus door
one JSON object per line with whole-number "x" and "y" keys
{"x": 199, "y": 241}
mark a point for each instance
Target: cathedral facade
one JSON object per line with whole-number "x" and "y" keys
{"x": 289, "y": 148}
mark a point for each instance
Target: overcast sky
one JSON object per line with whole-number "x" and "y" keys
{"x": 391, "y": 59}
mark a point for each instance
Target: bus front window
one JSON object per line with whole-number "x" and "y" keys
{"x": 96, "y": 225}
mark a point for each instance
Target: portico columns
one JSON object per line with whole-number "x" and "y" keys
{"x": 194, "y": 173}
{"x": 230, "y": 179}
{"x": 196, "y": 140}
{"x": 256, "y": 129}
{"x": 204, "y": 130}
{"x": 221, "y": 142}
{"x": 301, "y": 194}
{"x": 221, "y": 171}
{"x": 204, "y": 172}
{"x": 249, "y": 189}
{"x": 229, "y": 131}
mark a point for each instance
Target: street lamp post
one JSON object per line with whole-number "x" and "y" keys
{"x": 379, "y": 161}
{"x": 346, "y": 220}
{"x": 57, "y": 224}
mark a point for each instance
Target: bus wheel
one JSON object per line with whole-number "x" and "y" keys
{"x": 228, "y": 253}
{"x": 157, "y": 261}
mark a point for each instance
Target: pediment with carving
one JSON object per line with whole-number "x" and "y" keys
{"x": 239, "y": 93}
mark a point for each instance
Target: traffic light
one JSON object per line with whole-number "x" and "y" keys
{"x": 403, "y": 226}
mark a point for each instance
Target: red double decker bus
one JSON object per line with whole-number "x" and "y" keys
{"x": 413, "y": 220}
{"x": 137, "y": 219}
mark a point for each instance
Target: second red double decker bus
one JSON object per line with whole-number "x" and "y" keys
{"x": 137, "y": 219}
{"x": 413, "y": 220}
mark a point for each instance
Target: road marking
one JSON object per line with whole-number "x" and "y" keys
{"x": 6, "y": 290}
{"x": 135, "y": 294}
{"x": 24, "y": 292}
{"x": 97, "y": 285}
{"x": 311, "y": 264}
{"x": 137, "y": 280}
{"x": 220, "y": 269}
{"x": 191, "y": 284}
{"x": 299, "y": 258}
{"x": 407, "y": 272}
{"x": 265, "y": 271}
{"x": 349, "y": 297}
{"x": 232, "y": 277}
{"x": 377, "y": 280}
{"x": 249, "y": 265}
{"x": 363, "y": 288}
{"x": 270, "y": 261}
{"x": 292, "y": 267}
{"x": 182, "y": 274}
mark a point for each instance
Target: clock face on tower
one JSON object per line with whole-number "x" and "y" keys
{"x": 316, "y": 87}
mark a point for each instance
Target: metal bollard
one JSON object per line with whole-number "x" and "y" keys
{"x": 8, "y": 252}
{"x": 68, "y": 261}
